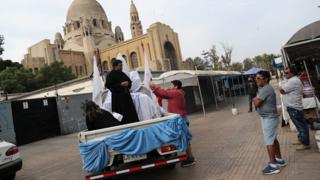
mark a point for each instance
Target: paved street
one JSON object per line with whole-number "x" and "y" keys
{"x": 225, "y": 146}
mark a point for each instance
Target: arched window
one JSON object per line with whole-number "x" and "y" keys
{"x": 76, "y": 70}
{"x": 125, "y": 58}
{"x": 134, "y": 60}
{"x": 81, "y": 70}
{"x": 103, "y": 24}
{"x": 170, "y": 54}
{"x": 105, "y": 66}
{"x": 95, "y": 23}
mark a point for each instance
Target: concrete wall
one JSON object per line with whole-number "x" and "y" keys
{"x": 71, "y": 115}
{"x": 7, "y": 132}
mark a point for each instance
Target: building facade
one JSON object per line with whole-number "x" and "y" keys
{"x": 87, "y": 28}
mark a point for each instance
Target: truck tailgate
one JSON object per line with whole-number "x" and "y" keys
{"x": 103, "y": 133}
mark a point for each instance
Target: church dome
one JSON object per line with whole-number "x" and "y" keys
{"x": 58, "y": 36}
{"x": 85, "y": 8}
{"x": 118, "y": 29}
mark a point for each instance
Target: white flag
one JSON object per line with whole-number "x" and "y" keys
{"x": 125, "y": 67}
{"x": 97, "y": 84}
{"x": 147, "y": 72}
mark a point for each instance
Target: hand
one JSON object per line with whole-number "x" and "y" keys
{"x": 152, "y": 86}
{"x": 125, "y": 84}
{"x": 282, "y": 91}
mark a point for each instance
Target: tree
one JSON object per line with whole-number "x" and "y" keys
{"x": 198, "y": 63}
{"x": 237, "y": 66}
{"x": 8, "y": 63}
{"x": 1, "y": 44}
{"x": 211, "y": 57}
{"x": 53, "y": 74}
{"x": 264, "y": 61}
{"x": 248, "y": 64}
{"x": 226, "y": 58}
{"x": 17, "y": 80}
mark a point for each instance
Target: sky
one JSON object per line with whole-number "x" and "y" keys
{"x": 251, "y": 27}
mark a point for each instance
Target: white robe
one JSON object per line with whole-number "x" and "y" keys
{"x": 145, "y": 107}
{"x": 107, "y": 105}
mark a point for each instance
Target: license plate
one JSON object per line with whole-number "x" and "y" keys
{"x": 131, "y": 158}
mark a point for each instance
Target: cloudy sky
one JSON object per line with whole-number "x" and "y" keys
{"x": 252, "y": 27}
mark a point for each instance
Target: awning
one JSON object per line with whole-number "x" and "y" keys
{"x": 253, "y": 70}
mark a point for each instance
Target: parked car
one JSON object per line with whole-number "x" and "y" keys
{"x": 10, "y": 161}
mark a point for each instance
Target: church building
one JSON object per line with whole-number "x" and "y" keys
{"x": 87, "y": 29}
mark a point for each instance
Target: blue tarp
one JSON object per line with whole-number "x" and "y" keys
{"x": 175, "y": 131}
{"x": 253, "y": 70}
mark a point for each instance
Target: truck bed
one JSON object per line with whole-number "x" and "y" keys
{"x": 103, "y": 133}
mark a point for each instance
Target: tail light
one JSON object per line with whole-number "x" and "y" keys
{"x": 12, "y": 151}
{"x": 170, "y": 148}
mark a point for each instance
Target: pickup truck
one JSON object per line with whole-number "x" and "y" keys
{"x": 120, "y": 164}
{"x": 10, "y": 161}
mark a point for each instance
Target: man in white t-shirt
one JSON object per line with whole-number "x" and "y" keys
{"x": 292, "y": 93}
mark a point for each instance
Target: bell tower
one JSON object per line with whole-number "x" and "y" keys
{"x": 136, "y": 27}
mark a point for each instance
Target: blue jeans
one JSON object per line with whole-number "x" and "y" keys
{"x": 298, "y": 120}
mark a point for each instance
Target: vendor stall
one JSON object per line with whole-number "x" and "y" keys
{"x": 303, "y": 51}
{"x": 205, "y": 87}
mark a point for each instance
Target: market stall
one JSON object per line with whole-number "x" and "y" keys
{"x": 303, "y": 51}
{"x": 208, "y": 87}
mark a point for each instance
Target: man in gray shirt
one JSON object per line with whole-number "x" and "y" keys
{"x": 292, "y": 93}
{"x": 267, "y": 108}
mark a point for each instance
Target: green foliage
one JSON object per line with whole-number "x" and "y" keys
{"x": 237, "y": 66}
{"x": 218, "y": 63}
{"x": 1, "y": 44}
{"x": 8, "y": 63}
{"x": 248, "y": 64}
{"x": 199, "y": 63}
{"x": 16, "y": 80}
{"x": 264, "y": 61}
{"x": 226, "y": 57}
{"x": 212, "y": 57}
{"x": 54, "y": 74}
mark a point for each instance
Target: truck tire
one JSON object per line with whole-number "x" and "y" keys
{"x": 9, "y": 177}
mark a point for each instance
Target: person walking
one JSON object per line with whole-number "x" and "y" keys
{"x": 252, "y": 90}
{"x": 292, "y": 93}
{"x": 176, "y": 104}
{"x": 267, "y": 109}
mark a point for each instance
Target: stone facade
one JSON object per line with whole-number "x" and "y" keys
{"x": 160, "y": 43}
{"x": 87, "y": 28}
{"x": 76, "y": 61}
{"x": 44, "y": 53}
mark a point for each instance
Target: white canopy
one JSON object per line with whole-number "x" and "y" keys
{"x": 187, "y": 77}
{"x": 190, "y": 78}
